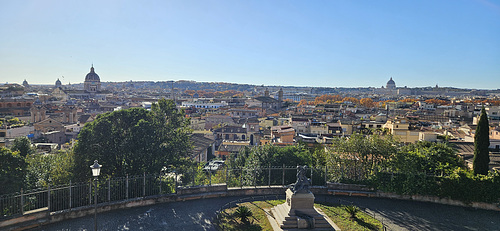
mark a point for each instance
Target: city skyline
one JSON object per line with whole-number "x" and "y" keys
{"x": 325, "y": 44}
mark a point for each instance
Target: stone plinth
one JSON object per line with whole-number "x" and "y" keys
{"x": 298, "y": 212}
{"x": 299, "y": 200}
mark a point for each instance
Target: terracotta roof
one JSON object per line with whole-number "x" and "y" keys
{"x": 200, "y": 143}
{"x": 266, "y": 99}
{"x": 463, "y": 147}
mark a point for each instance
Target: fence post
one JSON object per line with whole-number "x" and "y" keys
{"x": 255, "y": 177}
{"x": 109, "y": 189}
{"x": 126, "y": 187}
{"x": 210, "y": 177}
{"x": 159, "y": 177}
{"x": 70, "y": 191}
{"x": 312, "y": 176}
{"x": 90, "y": 192}
{"x": 194, "y": 177}
{"x": 341, "y": 173}
{"x": 22, "y": 202}
{"x": 227, "y": 173}
{"x": 283, "y": 177}
{"x": 48, "y": 198}
{"x": 326, "y": 173}
{"x": 175, "y": 183}
{"x": 269, "y": 176}
{"x": 144, "y": 184}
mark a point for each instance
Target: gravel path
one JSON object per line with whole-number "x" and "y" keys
{"x": 197, "y": 215}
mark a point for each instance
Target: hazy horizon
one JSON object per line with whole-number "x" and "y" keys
{"x": 79, "y": 83}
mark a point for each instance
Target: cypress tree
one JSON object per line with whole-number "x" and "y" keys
{"x": 481, "y": 144}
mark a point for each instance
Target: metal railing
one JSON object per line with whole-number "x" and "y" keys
{"x": 75, "y": 195}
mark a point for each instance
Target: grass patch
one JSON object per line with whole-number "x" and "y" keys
{"x": 343, "y": 219}
{"x": 258, "y": 221}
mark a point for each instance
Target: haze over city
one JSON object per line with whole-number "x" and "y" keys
{"x": 301, "y": 43}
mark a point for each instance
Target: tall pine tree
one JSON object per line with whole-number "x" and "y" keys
{"x": 481, "y": 144}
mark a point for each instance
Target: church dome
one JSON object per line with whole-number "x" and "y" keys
{"x": 37, "y": 102}
{"x": 70, "y": 103}
{"x": 58, "y": 83}
{"x": 391, "y": 81}
{"x": 390, "y": 84}
{"x": 92, "y": 76}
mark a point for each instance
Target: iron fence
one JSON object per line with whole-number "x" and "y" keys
{"x": 81, "y": 194}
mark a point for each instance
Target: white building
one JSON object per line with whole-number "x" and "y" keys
{"x": 204, "y": 104}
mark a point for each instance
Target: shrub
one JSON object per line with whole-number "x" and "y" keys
{"x": 352, "y": 210}
{"x": 243, "y": 213}
{"x": 461, "y": 185}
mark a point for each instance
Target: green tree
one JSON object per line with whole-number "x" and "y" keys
{"x": 426, "y": 157}
{"x": 481, "y": 143}
{"x": 263, "y": 156}
{"x": 362, "y": 154}
{"x": 255, "y": 159}
{"x": 49, "y": 169}
{"x": 133, "y": 141}
{"x": 172, "y": 131}
{"x": 23, "y": 146}
{"x": 12, "y": 169}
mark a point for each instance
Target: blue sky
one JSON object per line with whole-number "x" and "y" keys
{"x": 335, "y": 43}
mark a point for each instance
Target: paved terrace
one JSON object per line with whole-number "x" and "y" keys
{"x": 198, "y": 214}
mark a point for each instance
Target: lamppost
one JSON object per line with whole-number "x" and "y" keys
{"x": 96, "y": 170}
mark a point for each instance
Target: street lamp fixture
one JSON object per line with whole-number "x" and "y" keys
{"x": 96, "y": 170}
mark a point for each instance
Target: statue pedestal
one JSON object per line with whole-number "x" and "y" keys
{"x": 298, "y": 212}
{"x": 300, "y": 201}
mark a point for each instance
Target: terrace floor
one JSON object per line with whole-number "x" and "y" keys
{"x": 198, "y": 214}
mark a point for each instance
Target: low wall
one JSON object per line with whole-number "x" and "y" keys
{"x": 43, "y": 217}
{"x": 437, "y": 200}
{"x": 348, "y": 187}
{"x": 252, "y": 191}
{"x": 27, "y": 221}
{"x": 202, "y": 189}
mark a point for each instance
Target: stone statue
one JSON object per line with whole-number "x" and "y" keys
{"x": 298, "y": 212}
{"x": 302, "y": 184}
